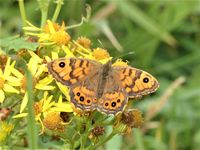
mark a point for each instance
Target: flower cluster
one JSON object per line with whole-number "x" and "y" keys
{"x": 52, "y": 108}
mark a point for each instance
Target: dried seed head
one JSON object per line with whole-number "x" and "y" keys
{"x": 96, "y": 133}
{"x": 132, "y": 118}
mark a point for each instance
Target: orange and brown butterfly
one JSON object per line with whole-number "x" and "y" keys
{"x": 102, "y": 87}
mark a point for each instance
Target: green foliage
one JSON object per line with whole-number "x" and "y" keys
{"x": 16, "y": 44}
{"x": 165, "y": 39}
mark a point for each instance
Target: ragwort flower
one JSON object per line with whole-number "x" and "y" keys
{"x": 36, "y": 70}
{"x": 51, "y": 34}
{"x": 5, "y": 129}
{"x": 7, "y": 82}
{"x": 45, "y": 107}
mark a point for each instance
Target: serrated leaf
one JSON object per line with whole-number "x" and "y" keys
{"x": 17, "y": 43}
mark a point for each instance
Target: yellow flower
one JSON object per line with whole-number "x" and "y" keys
{"x": 81, "y": 51}
{"x": 119, "y": 62}
{"x": 101, "y": 55}
{"x": 51, "y": 34}
{"x": 3, "y": 136}
{"x": 5, "y": 129}
{"x": 49, "y": 107}
{"x": 60, "y": 38}
{"x": 85, "y": 42}
{"x": 51, "y": 27}
{"x": 45, "y": 106}
{"x": 7, "y": 81}
{"x": 53, "y": 121}
{"x": 36, "y": 70}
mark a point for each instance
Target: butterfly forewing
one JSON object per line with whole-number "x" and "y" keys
{"x": 73, "y": 70}
{"x": 135, "y": 82}
{"x": 81, "y": 75}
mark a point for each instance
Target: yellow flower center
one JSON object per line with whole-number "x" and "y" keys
{"x": 83, "y": 41}
{"x": 55, "y": 26}
{"x": 100, "y": 53}
{"x": 24, "y": 83}
{"x": 53, "y": 121}
{"x": 37, "y": 108}
{"x": 60, "y": 37}
{"x": 1, "y": 83}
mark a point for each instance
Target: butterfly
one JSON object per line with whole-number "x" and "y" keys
{"x": 102, "y": 87}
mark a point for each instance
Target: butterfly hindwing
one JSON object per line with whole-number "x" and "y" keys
{"x": 113, "y": 99}
{"x": 84, "y": 95}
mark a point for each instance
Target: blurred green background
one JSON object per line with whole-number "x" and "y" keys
{"x": 164, "y": 37}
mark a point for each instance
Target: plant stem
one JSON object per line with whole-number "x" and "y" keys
{"x": 113, "y": 133}
{"x": 83, "y": 19}
{"x": 44, "y": 4}
{"x": 32, "y": 131}
{"x": 85, "y": 135}
{"x": 57, "y": 11}
{"x": 22, "y": 11}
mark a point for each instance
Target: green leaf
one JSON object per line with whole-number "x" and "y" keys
{"x": 115, "y": 142}
{"x": 17, "y": 43}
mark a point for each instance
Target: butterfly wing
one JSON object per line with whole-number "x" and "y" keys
{"x": 135, "y": 82}
{"x": 84, "y": 95}
{"x": 81, "y": 75}
{"x": 114, "y": 98}
{"x": 71, "y": 71}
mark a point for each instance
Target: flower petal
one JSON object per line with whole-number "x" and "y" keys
{"x": 64, "y": 90}
{"x": 42, "y": 87}
{"x": 40, "y": 70}
{"x": 47, "y": 80}
{"x": 20, "y": 115}
{"x": 8, "y": 67}
{"x": 2, "y": 96}
{"x": 33, "y": 66}
{"x": 24, "y": 102}
{"x": 67, "y": 51}
{"x": 51, "y": 27}
{"x": 54, "y": 55}
{"x": 17, "y": 73}
{"x": 47, "y": 58}
{"x": 62, "y": 107}
{"x": 8, "y": 88}
{"x": 36, "y": 57}
{"x": 13, "y": 81}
